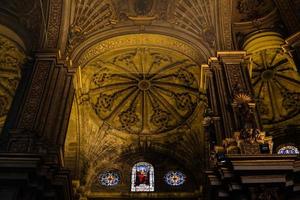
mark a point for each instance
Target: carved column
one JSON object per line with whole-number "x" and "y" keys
{"x": 38, "y": 132}
{"x": 44, "y": 115}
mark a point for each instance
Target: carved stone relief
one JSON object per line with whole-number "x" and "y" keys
{"x": 11, "y": 61}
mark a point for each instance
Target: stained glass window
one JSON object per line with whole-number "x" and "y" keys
{"x": 288, "y": 149}
{"x": 142, "y": 177}
{"x": 175, "y": 178}
{"x": 109, "y": 178}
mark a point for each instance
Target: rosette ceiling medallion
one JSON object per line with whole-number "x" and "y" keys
{"x": 142, "y": 84}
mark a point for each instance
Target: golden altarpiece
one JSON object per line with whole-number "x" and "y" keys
{"x": 149, "y": 99}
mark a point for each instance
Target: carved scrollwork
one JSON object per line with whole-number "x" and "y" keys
{"x": 101, "y": 77}
{"x": 128, "y": 119}
{"x": 11, "y": 61}
{"x": 104, "y": 103}
{"x": 185, "y": 76}
{"x": 160, "y": 118}
{"x": 184, "y": 101}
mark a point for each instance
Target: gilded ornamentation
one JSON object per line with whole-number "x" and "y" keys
{"x": 104, "y": 103}
{"x": 246, "y": 142}
{"x": 234, "y": 75}
{"x": 101, "y": 77}
{"x": 11, "y": 61}
{"x": 185, "y": 76}
{"x": 160, "y": 118}
{"x": 144, "y": 90}
{"x": 184, "y": 101}
{"x": 140, "y": 39}
{"x": 128, "y": 119}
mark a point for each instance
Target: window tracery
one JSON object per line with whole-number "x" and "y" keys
{"x": 142, "y": 177}
{"x": 109, "y": 178}
{"x": 175, "y": 178}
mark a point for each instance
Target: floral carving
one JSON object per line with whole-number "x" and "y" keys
{"x": 104, "y": 103}
{"x": 11, "y": 61}
{"x": 291, "y": 100}
{"x": 128, "y": 119}
{"x": 185, "y": 76}
{"x": 160, "y": 118}
{"x": 184, "y": 101}
{"x": 101, "y": 77}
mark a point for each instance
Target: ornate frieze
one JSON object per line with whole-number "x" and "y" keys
{"x": 35, "y": 93}
{"x": 55, "y": 19}
{"x": 141, "y": 39}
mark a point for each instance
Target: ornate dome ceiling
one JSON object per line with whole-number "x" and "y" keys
{"x": 274, "y": 78}
{"x": 190, "y": 20}
{"x": 142, "y": 89}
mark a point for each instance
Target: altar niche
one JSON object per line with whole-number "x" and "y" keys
{"x": 142, "y": 177}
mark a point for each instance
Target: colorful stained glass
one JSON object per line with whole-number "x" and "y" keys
{"x": 109, "y": 178}
{"x": 142, "y": 177}
{"x": 175, "y": 178}
{"x": 286, "y": 150}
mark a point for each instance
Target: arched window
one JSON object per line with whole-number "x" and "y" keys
{"x": 288, "y": 149}
{"x": 142, "y": 177}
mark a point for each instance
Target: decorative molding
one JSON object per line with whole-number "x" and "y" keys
{"x": 11, "y": 60}
{"x": 54, "y": 22}
{"x": 127, "y": 41}
{"x": 35, "y": 93}
{"x": 226, "y": 17}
